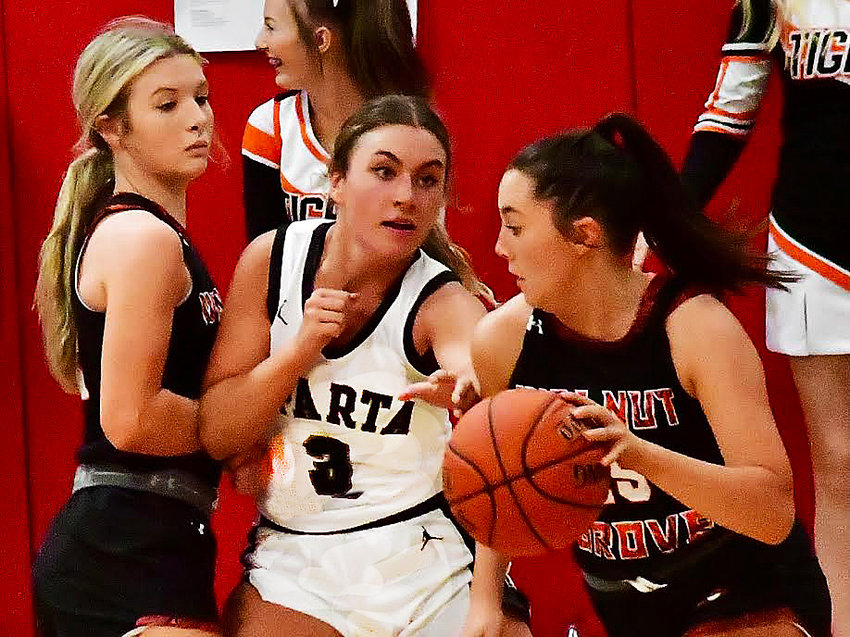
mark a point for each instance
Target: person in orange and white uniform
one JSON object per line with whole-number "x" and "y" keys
{"x": 808, "y": 43}
{"x": 329, "y": 57}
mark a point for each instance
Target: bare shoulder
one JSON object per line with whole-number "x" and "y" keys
{"x": 704, "y": 335}
{"x": 257, "y": 255}
{"x": 507, "y": 320}
{"x": 135, "y": 253}
{"x": 453, "y": 297}
{"x": 135, "y": 233}
{"x": 497, "y": 343}
{"x": 701, "y": 319}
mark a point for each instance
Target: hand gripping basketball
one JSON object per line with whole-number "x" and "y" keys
{"x": 520, "y": 477}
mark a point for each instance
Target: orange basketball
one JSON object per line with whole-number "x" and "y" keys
{"x": 520, "y": 477}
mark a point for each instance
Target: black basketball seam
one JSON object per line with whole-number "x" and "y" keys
{"x": 509, "y": 483}
{"x": 484, "y": 479}
{"x": 529, "y": 474}
{"x": 490, "y": 488}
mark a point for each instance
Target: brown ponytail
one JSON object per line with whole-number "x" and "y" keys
{"x": 377, "y": 40}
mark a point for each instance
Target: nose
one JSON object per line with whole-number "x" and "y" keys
{"x": 201, "y": 118}
{"x": 260, "y": 40}
{"x": 403, "y": 191}
{"x": 500, "y": 246}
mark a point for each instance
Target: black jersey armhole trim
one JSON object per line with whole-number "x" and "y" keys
{"x": 275, "y": 266}
{"x": 314, "y": 257}
{"x": 426, "y": 364}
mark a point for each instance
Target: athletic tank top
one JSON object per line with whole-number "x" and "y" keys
{"x": 193, "y": 331}
{"x": 641, "y": 527}
{"x": 347, "y": 451}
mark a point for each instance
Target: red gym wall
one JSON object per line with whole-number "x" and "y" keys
{"x": 504, "y": 76}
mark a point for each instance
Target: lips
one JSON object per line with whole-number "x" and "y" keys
{"x": 199, "y": 145}
{"x": 401, "y": 225}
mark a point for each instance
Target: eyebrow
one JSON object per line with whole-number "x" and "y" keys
{"x": 505, "y": 210}
{"x": 203, "y": 84}
{"x": 428, "y": 164}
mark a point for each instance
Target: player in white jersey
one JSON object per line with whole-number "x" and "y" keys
{"x": 333, "y": 336}
{"x": 330, "y": 56}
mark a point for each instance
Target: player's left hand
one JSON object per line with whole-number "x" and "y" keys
{"x": 607, "y": 427}
{"x": 444, "y": 389}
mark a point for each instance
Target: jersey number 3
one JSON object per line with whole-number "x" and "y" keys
{"x": 332, "y": 470}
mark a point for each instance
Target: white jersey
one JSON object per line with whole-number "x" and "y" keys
{"x": 348, "y": 452}
{"x": 279, "y": 134}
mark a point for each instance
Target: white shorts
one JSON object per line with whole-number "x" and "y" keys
{"x": 398, "y": 579}
{"x": 813, "y": 316}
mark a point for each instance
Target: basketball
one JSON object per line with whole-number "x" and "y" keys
{"x": 520, "y": 477}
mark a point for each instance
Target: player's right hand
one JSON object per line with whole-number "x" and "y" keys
{"x": 325, "y": 315}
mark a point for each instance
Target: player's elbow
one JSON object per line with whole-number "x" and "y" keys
{"x": 781, "y": 516}
{"x": 122, "y": 429}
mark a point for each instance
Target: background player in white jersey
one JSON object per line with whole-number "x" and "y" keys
{"x": 808, "y": 43}
{"x": 698, "y": 536}
{"x": 329, "y": 329}
{"x": 330, "y": 56}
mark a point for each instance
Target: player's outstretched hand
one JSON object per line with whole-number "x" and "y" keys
{"x": 607, "y": 427}
{"x": 444, "y": 389}
{"x": 324, "y": 318}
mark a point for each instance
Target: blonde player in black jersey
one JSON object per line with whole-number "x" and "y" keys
{"x": 699, "y": 534}
{"x": 329, "y": 57}
{"x": 332, "y": 336}
{"x": 807, "y": 43}
{"x": 130, "y": 314}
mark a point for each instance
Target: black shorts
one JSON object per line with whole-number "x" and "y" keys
{"x": 113, "y": 555}
{"x": 741, "y": 576}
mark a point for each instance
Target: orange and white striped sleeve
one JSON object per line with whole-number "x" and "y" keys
{"x": 261, "y": 140}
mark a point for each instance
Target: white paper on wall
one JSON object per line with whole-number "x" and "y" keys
{"x": 229, "y": 25}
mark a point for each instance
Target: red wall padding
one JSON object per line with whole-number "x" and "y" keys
{"x": 506, "y": 73}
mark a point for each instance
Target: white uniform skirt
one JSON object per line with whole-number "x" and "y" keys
{"x": 813, "y": 316}
{"x": 407, "y": 578}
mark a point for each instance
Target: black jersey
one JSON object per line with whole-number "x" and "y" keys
{"x": 193, "y": 332}
{"x": 641, "y": 528}
{"x": 811, "y": 202}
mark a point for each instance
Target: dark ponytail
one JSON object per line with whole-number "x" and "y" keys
{"x": 619, "y": 175}
{"x": 377, "y": 40}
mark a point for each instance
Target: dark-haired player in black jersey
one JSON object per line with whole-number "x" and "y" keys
{"x": 698, "y": 536}
{"x": 808, "y": 42}
{"x": 130, "y": 315}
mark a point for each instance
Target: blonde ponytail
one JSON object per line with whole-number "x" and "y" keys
{"x": 87, "y": 181}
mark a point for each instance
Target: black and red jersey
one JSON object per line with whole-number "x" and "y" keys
{"x": 193, "y": 332}
{"x": 641, "y": 528}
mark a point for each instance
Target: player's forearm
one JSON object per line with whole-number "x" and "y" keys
{"x": 236, "y": 412}
{"x": 166, "y": 425}
{"x": 756, "y": 501}
{"x": 488, "y": 576}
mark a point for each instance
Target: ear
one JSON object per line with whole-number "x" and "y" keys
{"x": 324, "y": 38}
{"x": 588, "y": 232}
{"x": 337, "y": 180}
{"x": 109, "y": 128}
